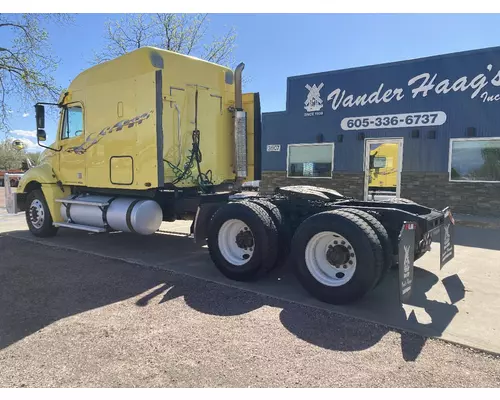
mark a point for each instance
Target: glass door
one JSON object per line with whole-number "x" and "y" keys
{"x": 382, "y": 166}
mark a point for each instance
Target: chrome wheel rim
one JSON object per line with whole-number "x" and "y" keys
{"x": 37, "y": 214}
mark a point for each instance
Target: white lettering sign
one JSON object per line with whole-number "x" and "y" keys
{"x": 273, "y": 147}
{"x": 339, "y": 98}
{"x": 487, "y": 98}
{"x": 420, "y": 86}
{"x": 431, "y": 118}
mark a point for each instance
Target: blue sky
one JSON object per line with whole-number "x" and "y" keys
{"x": 275, "y": 46}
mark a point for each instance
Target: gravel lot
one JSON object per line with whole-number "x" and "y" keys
{"x": 77, "y": 320}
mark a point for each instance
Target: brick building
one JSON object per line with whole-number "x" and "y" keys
{"x": 425, "y": 129}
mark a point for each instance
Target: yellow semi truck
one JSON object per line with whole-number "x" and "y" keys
{"x": 383, "y": 167}
{"x": 156, "y": 136}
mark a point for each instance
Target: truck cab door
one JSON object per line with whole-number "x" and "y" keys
{"x": 72, "y": 160}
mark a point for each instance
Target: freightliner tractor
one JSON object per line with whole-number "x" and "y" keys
{"x": 156, "y": 136}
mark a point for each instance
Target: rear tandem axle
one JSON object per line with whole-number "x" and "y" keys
{"x": 341, "y": 248}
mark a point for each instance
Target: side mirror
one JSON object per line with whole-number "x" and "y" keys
{"x": 41, "y": 135}
{"x": 40, "y": 117}
{"x": 372, "y": 162}
{"x": 40, "y": 125}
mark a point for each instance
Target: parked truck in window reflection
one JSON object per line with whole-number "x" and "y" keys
{"x": 158, "y": 145}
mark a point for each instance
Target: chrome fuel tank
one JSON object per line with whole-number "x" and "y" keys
{"x": 126, "y": 214}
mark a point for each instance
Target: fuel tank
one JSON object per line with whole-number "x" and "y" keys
{"x": 126, "y": 214}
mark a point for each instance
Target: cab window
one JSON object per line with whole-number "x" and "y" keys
{"x": 379, "y": 162}
{"x": 73, "y": 122}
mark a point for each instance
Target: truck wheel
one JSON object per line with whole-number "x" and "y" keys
{"x": 242, "y": 241}
{"x": 38, "y": 215}
{"x": 338, "y": 256}
{"x": 281, "y": 226}
{"x": 382, "y": 235}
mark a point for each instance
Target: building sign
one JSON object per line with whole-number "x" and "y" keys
{"x": 482, "y": 87}
{"x": 432, "y": 118}
{"x": 273, "y": 147}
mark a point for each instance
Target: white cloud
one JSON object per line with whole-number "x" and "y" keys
{"x": 26, "y": 115}
{"x": 21, "y": 132}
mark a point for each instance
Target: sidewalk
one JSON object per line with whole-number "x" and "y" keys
{"x": 476, "y": 221}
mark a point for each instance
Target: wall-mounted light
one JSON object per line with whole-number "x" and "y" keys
{"x": 471, "y": 131}
{"x": 319, "y": 138}
{"x": 431, "y": 135}
{"x": 340, "y": 138}
{"x": 415, "y": 133}
{"x": 361, "y": 136}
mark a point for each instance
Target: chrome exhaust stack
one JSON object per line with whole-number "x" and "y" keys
{"x": 238, "y": 95}
{"x": 240, "y": 127}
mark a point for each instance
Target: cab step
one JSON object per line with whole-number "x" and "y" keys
{"x": 87, "y": 228}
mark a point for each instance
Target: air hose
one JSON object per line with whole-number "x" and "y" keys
{"x": 203, "y": 180}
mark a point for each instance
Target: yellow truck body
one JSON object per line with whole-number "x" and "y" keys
{"x": 383, "y": 169}
{"x": 128, "y": 124}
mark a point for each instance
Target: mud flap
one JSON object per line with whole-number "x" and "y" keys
{"x": 447, "y": 243}
{"x": 406, "y": 254}
{"x": 204, "y": 213}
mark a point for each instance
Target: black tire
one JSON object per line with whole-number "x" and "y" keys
{"x": 284, "y": 236}
{"x": 382, "y": 235}
{"x": 366, "y": 246}
{"x": 265, "y": 239}
{"x": 46, "y": 229}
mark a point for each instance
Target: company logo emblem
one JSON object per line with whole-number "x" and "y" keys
{"x": 447, "y": 234}
{"x": 313, "y": 103}
{"x": 407, "y": 261}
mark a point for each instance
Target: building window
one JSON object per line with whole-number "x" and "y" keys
{"x": 476, "y": 160}
{"x": 310, "y": 160}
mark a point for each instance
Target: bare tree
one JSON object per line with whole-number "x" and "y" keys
{"x": 11, "y": 157}
{"x": 181, "y": 33}
{"x": 26, "y": 61}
